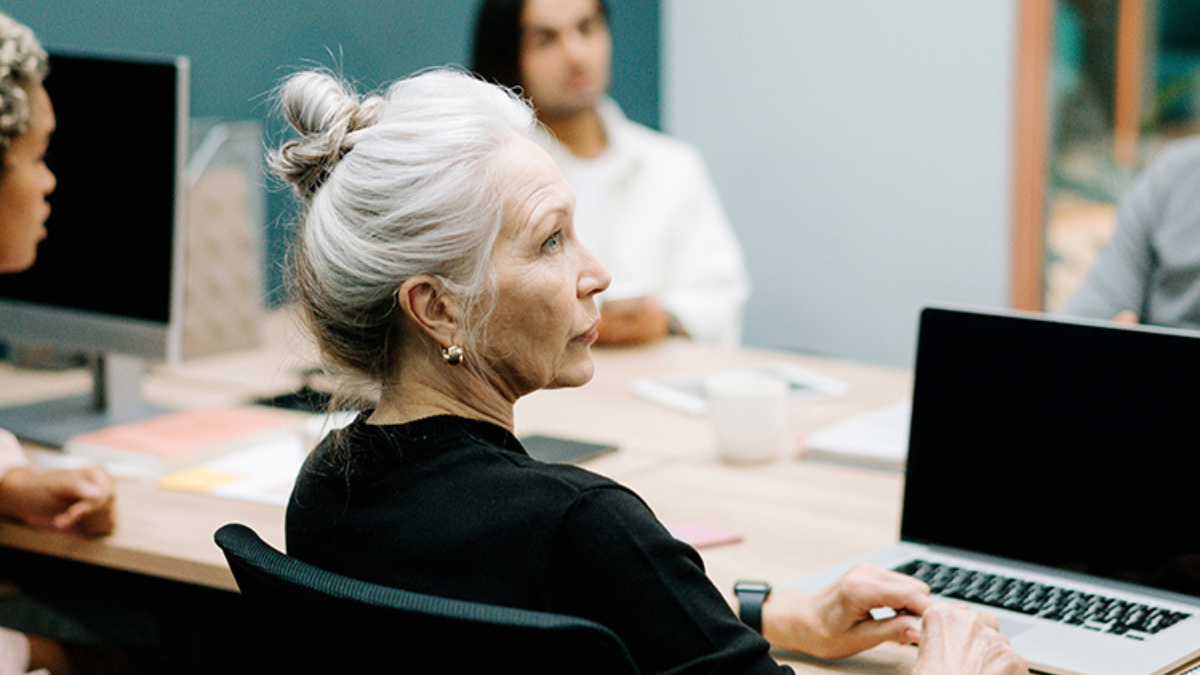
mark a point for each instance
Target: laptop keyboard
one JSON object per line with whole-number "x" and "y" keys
{"x": 1088, "y": 610}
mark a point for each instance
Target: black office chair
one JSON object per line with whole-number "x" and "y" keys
{"x": 314, "y": 620}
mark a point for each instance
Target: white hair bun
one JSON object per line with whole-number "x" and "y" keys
{"x": 325, "y": 111}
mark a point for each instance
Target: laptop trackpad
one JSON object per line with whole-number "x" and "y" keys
{"x": 1013, "y": 627}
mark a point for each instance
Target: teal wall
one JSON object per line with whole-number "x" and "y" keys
{"x": 239, "y": 49}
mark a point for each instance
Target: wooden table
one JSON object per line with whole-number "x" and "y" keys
{"x": 795, "y": 516}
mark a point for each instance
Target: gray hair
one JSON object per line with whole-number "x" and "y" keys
{"x": 22, "y": 61}
{"x": 394, "y": 186}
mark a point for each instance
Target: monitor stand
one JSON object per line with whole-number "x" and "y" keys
{"x": 116, "y": 398}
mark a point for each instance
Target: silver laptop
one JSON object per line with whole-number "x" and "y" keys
{"x": 1053, "y": 479}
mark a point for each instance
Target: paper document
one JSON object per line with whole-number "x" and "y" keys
{"x": 164, "y": 443}
{"x": 686, "y": 391}
{"x": 877, "y": 438}
{"x": 263, "y": 473}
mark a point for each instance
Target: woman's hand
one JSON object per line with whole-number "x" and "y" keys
{"x": 955, "y": 639}
{"x": 837, "y": 621}
{"x": 76, "y": 501}
{"x": 633, "y": 321}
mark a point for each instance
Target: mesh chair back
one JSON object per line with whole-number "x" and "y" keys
{"x": 314, "y": 620}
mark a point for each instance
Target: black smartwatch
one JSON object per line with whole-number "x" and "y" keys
{"x": 751, "y": 595}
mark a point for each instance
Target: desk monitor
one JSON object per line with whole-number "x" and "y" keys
{"x": 109, "y": 279}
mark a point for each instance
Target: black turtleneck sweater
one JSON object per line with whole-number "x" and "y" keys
{"x": 455, "y": 507}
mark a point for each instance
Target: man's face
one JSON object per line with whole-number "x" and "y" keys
{"x": 566, "y": 55}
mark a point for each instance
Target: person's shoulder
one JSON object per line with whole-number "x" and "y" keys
{"x": 641, "y": 138}
{"x": 1182, "y": 156}
{"x": 664, "y": 145}
{"x": 1184, "y": 147}
{"x": 1173, "y": 173}
{"x": 562, "y": 488}
{"x": 588, "y": 499}
{"x": 568, "y": 476}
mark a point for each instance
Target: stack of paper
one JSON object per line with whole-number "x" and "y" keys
{"x": 686, "y": 391}
{"x": 167, "y": 442}
{"x": 263, "y": 473}
{"x": 877, "y": 438}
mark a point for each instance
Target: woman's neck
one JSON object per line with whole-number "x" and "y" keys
{"x": 428, "y": 387}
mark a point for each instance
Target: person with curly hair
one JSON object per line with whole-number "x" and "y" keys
{"x": 26, "y": 123}
{"x": 77, "y": 501}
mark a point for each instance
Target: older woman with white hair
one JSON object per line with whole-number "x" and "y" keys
{"x": 437, "y": 263}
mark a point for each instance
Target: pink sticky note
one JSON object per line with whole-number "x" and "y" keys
{"x": 703, "y": 536}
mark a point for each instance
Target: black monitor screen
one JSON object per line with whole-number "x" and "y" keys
{"x": 1071, "y": 445}
{"x": 109, "y": 247}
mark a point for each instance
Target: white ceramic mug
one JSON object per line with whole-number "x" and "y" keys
{"x": 749, "y": 414}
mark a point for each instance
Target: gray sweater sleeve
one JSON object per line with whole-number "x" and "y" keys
{"x": 1151, "y": 266}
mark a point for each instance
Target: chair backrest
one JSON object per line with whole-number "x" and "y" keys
{"x": 314, "y": 620}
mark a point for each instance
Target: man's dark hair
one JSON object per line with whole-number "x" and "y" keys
{"x": 496, "y": 55}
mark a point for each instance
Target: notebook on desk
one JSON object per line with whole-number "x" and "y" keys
{"x": 1052, "y": 478}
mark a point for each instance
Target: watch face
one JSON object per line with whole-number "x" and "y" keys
{"x": 752, "y": 587}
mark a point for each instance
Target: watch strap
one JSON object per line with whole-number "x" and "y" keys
{"x": 751, "y": 596}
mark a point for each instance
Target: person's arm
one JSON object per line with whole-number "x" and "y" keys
{"x": 78, "y": 501}
{"x": 1119, "y": 282}
{"x": 836, "y": 622}
{"x": 707, "y": 284}
{"x": 955, "y": 640}
{"x": 75, "y": 501}
{"x": 11, "y": 455}
{"x": 615, "y": 564}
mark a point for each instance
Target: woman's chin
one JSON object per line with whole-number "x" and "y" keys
{"x": 576, "y": 375}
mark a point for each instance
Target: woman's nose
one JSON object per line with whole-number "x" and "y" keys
{"x": 594, "y": 277}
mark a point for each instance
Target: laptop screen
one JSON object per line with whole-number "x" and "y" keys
{"x": 1071, "y": 445}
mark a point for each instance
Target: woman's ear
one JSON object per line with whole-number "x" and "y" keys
{"x": 426, "y": 303}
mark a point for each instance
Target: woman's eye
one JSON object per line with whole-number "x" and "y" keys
{"x": 552, "y": 243}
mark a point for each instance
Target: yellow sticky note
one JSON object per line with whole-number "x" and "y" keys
{"x": 198, "y": 478}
